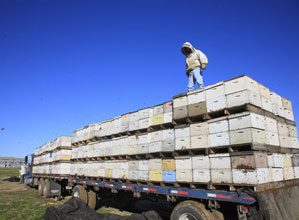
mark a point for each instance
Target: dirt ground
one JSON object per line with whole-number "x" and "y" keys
{"x": 20, "y": 202}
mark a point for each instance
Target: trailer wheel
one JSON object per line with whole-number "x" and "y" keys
{"x": 191, "y": 210}
{"x": 92, "y": 199}
{"x": 80, "y": 193}
{"x": 46, "y": 190}
{"x": 35, "y": 182}
{"x": 217, "y": 215}
{"x": 41, "y": 184}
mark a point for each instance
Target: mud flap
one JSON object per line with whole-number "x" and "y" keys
{"x": 280, "y": 203}
{"x": 55, "y": 189}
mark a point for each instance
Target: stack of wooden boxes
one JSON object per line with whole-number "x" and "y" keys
{"x": 201, "y": 169}
{"x": 270, "y": 124}
{"x": 183, "y": 169}
{"x": 199, "y": 133}
{"x": 155, "y": 172}
{"x": 53, "y": 157}
{"x": 158, "y": 116}
{"x": 145, "y": 116}
{"x": 180, "y": 107}
{"x": 251, "y": 168}
{"x": 197, "y": 104}
{"x": 182, "y": 138}
{"x": 215, "y": 97}
{"x": 143, "y": 144}
{"x": 168, "y": 170}
{"x": 162, "y": 114}
{"x": 247, "y": 127}
{"x": 232, "y": 132}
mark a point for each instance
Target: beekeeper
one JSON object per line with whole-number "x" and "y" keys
{"x": 196, "y": 61}
{"x": 23, "y": 173}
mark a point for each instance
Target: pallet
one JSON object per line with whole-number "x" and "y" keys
{"x": 94, "y": 139}
{"x": 52, "y": 162}
{"x": 160, "y": 127}
{"x": 232, "y": 149}
{"x": 61, "y": 148}
{"x": 54, "y": 150}
{"x": 285, "y": 121}
{"x": 229, "y": 111}
{"x": 190, "y": 152}
{"x": 190, "y": 185}
{"x": 289, "y": 150}
{"x": 79, "y": 143}
{"x": 51, "y": 176}
{"x": 162, "y": 155}
{"x": 137, "y": 157}
{"x": 203, "y": 117}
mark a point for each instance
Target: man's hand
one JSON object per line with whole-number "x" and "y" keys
{"x": 203, "y": 66}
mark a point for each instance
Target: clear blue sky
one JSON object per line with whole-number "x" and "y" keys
{"x": 66, "y": 64}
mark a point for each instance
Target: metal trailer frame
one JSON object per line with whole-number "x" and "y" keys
{"x": 240, "y": 198}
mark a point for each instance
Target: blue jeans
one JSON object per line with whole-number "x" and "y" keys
{"x": 195, "y": 76}
{"x": 23, "y": 178}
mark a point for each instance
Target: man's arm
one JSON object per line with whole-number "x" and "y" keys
{"x": 202, "y": 58}
{"x": 187, "y": 72}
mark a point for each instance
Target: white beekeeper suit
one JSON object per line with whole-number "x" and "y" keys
{"x": 23, "y": 173}
{"x": 196, "y": 61}
{"x": 23, "y": 169}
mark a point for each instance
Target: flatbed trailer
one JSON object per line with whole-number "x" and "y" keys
{"x": 185, "y": 202}
{"x": 189, "y": 202}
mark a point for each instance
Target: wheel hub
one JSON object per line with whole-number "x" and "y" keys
{"x": 76, "y": 195}
{"x": 187, "y": 216}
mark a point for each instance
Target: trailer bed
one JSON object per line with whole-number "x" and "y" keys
{"x": 218, "y": 195}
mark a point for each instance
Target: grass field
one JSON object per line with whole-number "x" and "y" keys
{"x": 7, "y": 172}
{"x": 18, "y": 202}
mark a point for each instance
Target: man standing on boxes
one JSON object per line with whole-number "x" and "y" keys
{"x": 196, "y": 61}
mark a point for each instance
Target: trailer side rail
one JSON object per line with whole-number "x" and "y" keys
{"x": 225, "y": 196}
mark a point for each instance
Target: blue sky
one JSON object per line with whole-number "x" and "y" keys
{"x": 66, "y": 64}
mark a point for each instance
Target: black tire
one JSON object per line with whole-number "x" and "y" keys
{"x": 47, "y": 188}
{"x": 217, "y": 215}
{"x": 80, "y": 193}
{"x": 152, "y": 215}
{"x": 92, "y": 199}
{"x": 191, "y": 209}
{"x": 41, "y": 184}
{"x": 35, "y": 182}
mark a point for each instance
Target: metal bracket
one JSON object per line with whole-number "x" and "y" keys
{"x": 137, "y": 194}
{"x": 213, "y": 204}
{"x": 96, "y": 188}
{"x": 114, "y": 190}
{"x": 171, "y": 198}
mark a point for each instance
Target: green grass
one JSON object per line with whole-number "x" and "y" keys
{"x": 17, "y": 202}
{"x": 20, "y": 203}
{"x": 7, "y": 172}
